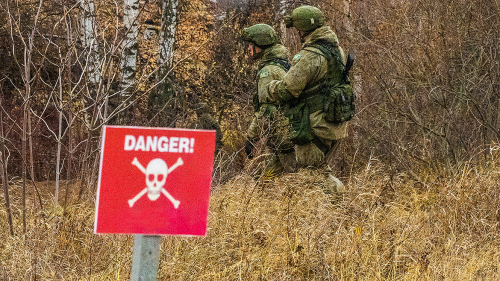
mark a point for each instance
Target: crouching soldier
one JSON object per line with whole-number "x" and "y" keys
{"x": 268, "y": 121}
{"x": 315, "y": 93}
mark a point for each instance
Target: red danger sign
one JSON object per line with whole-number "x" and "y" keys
{"x": 154, "y": 181}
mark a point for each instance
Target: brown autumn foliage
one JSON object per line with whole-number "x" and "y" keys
{"x": 420, "y": 162}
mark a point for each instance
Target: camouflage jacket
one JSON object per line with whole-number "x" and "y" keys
{"x": 269, "y": 70}
{"x": 308, "y": 69}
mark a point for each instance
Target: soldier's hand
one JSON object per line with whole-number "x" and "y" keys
{"x": 249, "y": 148}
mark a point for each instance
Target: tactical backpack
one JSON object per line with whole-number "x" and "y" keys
{"x": 333, "y": 95}
{"x": 339, "y": 97}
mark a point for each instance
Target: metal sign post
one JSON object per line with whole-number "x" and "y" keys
{"x": 145, "y": 258}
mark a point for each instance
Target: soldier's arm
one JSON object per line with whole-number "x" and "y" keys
{"x": 305, "y": 68}
{"x": 259, "y": 123}
{"x": 266, "y": 76}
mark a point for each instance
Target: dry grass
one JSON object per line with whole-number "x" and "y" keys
{"x": 388, "y": 227}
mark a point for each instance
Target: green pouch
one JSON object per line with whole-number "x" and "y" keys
{"x": 339, "y": 106}
{"x": 298, "y": 117}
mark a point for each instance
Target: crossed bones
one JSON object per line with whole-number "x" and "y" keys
{"x": 160, "y": 169}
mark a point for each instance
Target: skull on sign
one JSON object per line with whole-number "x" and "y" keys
{"x": 156, "y": 175}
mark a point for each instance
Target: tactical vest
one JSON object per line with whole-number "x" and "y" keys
{"x": 333, "y": 95}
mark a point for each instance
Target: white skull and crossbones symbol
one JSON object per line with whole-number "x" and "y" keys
{"x": 156, "y": 174}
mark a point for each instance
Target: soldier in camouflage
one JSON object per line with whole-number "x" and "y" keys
{"x": 268, "y": 121}
{"x": 303, "y": 83}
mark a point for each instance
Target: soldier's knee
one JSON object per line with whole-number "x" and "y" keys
{"x": 309, "y": 155}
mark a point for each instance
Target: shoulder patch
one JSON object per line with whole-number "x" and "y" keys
{"x": 296, "y": 57}
{"x": 264, "y": 73}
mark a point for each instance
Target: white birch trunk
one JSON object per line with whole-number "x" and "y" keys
{"x": 89, "y": 41}
{"x": 129, "y": 49}
{"x": 282, "y": 11}
{"x": 166, "y": 40}
{"x": 167, "y": 35}
{"x": 347, "y": 17}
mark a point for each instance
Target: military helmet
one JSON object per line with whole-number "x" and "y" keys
{"x": 305, "y": 18}
{"x": 260, "y": 34}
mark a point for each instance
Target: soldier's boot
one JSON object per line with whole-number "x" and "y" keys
{"x": 333, "y": 187}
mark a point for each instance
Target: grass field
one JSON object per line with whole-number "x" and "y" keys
{"x": 389, "y": 226}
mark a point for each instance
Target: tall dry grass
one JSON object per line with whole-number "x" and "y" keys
{"x": 389, "y": 226}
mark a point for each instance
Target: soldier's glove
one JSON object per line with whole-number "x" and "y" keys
{"x": 249, "y": 148}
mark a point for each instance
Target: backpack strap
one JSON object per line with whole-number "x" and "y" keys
{"x": 328, "y": 50}
{"x": 279, "y": 62}
{"x": 282, "y": 63}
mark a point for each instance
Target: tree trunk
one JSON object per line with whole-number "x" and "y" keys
{"x": 30, "y": 144}
{"x": 167, "y": 35}
{"x": 23, "y": 151}
{"x": 164, "y": 90}
{"x": 282, "y": 11}
{"x": 346, "y": 8}
{"x": 59, "y": 136}
{"x": 93, "y": 74}
{"x": 70, "y": 156}
{"x": 70, "y": 113}
{"x": 3, "y": 172}
{"x": 26, "y": 115}
{"x": 129, "y": 58}
{"x": 89, "y": 42}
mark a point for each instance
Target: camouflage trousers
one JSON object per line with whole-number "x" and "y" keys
{"x": 276, "y": 164}
{"x": 312, "y": 157}
{"x": 273, "y": 130}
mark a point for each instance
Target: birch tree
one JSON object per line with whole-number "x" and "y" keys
{"x": 282, "y": 11}
{"x": 90, "y": 66}
{"x": 160, "y": 97}
{"x": 346, "y": 9}
{"x": 129, "y": 57}
{"x": 89, "y": 42}
{"x": 167, "y": 35}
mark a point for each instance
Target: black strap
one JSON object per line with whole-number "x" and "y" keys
{"x": 279, "y": 62}
{"x": 282, "y": 63}
{"x": 322, "y": 86}
{"x": 323, "y": 147}
{"x": 328, "y": 49}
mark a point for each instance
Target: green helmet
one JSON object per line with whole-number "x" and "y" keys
{"x": 260, "y": 34}
{"x": 305, "y": 18}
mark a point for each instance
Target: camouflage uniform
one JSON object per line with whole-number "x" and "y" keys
{"x": 268, "y": 121}
{"x": 309, "y": 68}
